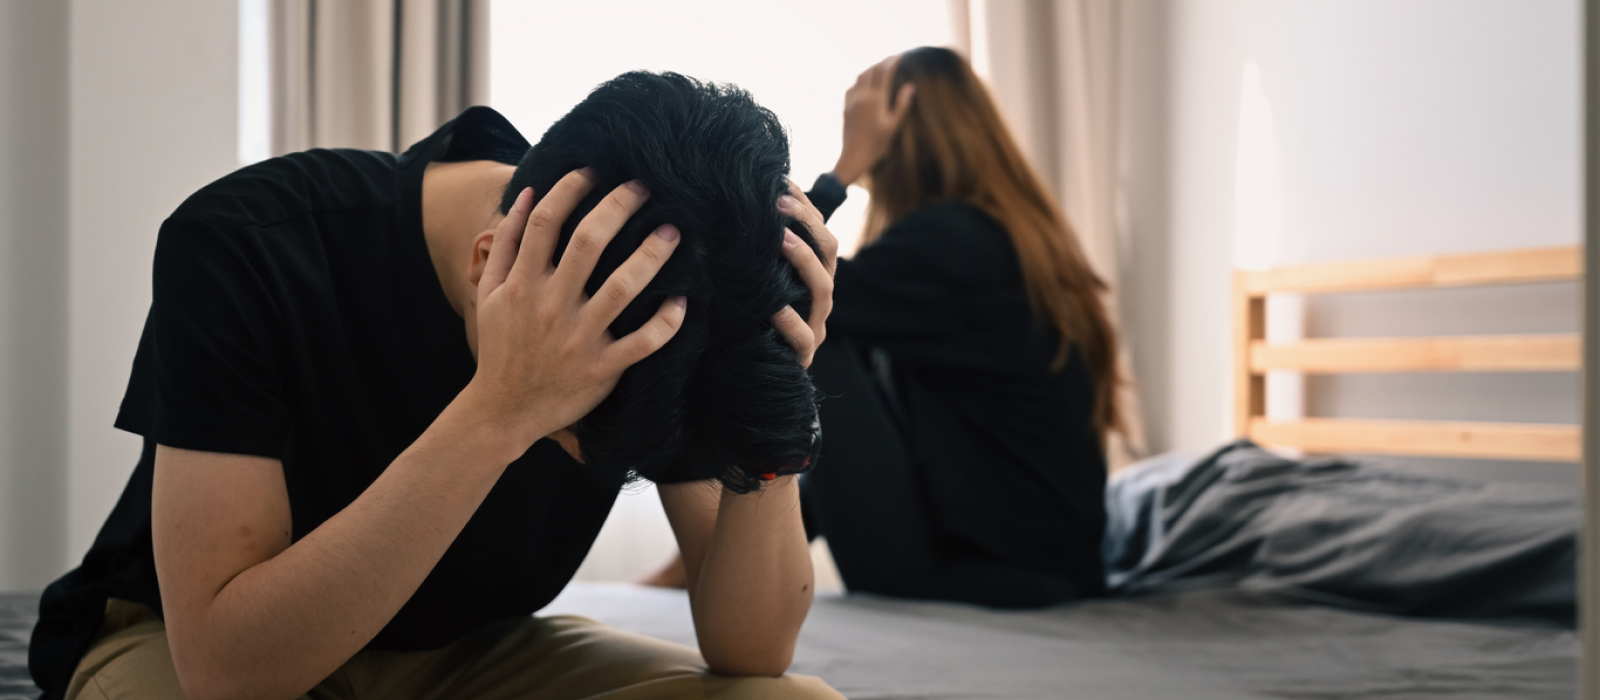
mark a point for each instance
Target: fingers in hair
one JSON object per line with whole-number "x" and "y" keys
{"x": 649, "y": 337}
{"x": 543, "y": 228}
{"x": 630, "y": 278}
{"x": 507, "y": 239}
{"x": 807, "y": 213}
{"x": 797, "y": 332}
{"x": 596, "y": 230}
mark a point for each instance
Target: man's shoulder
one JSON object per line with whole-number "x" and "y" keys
{"x": 292, "y": 186}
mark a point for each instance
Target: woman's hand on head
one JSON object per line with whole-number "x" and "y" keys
{"x": 806, "y": 335}
{"x": 869, "y": 120}
{"x": 545, "y": 356}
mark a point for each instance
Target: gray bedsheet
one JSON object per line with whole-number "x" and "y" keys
{"x": 17, "y": 613}
{"x": 1196, "y": 645}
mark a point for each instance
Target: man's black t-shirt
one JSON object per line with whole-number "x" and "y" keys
{"x": 297, "y": 315}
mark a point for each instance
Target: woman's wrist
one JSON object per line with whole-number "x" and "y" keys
{"x": 847, "y": 170}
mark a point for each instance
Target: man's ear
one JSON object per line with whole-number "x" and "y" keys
{"x": 481, "y": 244}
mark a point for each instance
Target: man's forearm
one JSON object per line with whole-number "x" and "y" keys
{"x": 754, "y": 584}
{"x": 282, "y": 625}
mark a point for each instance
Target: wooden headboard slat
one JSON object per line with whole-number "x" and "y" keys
{"x": 1508, "y": 267}
{"x": 1254, "y": 357}
{"x": 1493, "y": 353}
{"x": 1519, "y": 441}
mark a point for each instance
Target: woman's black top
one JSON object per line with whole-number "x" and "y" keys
{"x": 1007, "y": 449}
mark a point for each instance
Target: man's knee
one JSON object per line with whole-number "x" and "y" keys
{"x": 789, "y": 687}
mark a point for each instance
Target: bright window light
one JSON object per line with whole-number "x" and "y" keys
{"x": 796, "y": 59}
{"x": 254, "y": 83}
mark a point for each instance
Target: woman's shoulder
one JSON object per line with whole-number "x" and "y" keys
{"x": 958, "y": 231}
{"x": 950, "y": 217}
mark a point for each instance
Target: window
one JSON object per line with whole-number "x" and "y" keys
{"x": 797, "y": 60}
{"x": 255, "y": 88}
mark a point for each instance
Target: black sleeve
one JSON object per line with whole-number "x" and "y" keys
{"x": 209, "y": 371}
{"x": 827, "y": 194}
{"x": 941, "y": 286}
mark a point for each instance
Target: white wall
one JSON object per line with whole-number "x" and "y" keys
{"x": 33, "y": 287}
{"x": 1182, "y": 67}
{"x": 1399, "y": 128}
{"x": 110, "y": 114}
{"x": 154, "y": 95}
{"x": 1425, "y": 126}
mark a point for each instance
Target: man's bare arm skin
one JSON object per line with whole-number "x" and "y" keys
{"x": 250, "y": 615}
{"x": 749, "y": 572}
{"x": 745, "y": 557}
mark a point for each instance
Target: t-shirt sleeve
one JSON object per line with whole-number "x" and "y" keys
{"x": 209, "y": 371}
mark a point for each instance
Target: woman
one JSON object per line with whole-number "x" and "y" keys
{"x": 970, "y": 367}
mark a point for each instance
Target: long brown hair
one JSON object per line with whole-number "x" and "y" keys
{"x": 953, "y": 146}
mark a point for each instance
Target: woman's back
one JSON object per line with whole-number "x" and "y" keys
{"x": 1004, "y": 446}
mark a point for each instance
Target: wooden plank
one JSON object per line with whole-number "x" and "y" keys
{"x": 1520, "y": 441}
{"x": 1249, "y": 327}
{"x": 1504, "y": 353}
{"x": 1505, "y": 267}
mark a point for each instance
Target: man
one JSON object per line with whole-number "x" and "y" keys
{"x": 343, "y": 494}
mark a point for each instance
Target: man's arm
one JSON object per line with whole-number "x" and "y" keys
{"x": 744, "y": 556}
{"x": 749, "y": 571}
{"x": 250, "y": 615}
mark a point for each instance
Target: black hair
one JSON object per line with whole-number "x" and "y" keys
{"x": 726, "y": 398}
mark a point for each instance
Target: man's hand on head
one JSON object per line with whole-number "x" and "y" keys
{"x": 806, "y": 335}
{"x": 545, "y": 357}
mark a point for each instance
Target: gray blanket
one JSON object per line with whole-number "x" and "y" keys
{"x": 1196, "y": 645}
{"x": 1345, "y": 533}
{"x": 17, "y": 613}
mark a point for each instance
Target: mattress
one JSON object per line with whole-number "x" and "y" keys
{"x": 1194, "y": 645}
{"x": 17, "y": 613}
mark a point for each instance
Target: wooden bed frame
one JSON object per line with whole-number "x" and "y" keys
{"x": 1254, "y": 357}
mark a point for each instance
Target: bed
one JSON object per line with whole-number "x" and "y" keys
{"x": 1199, "y": 645}
{"x": 1244, "y": 573}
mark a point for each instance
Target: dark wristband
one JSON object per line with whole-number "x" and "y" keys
{"x": 827, "y": 194}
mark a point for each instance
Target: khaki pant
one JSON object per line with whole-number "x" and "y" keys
{"x": 557, "y": 658}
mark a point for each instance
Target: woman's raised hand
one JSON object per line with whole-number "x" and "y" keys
{"x": 870, "y": 120}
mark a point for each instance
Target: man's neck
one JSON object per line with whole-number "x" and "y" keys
{"x": 459, "y": 201}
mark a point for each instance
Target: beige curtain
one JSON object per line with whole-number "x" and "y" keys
{"x": 375, "y": 74}
{"x": 1053, "y": 67}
